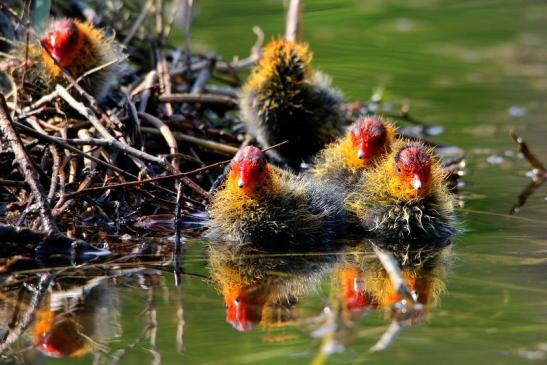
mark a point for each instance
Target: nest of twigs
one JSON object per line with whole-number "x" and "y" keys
{"x": 112, "y": 166}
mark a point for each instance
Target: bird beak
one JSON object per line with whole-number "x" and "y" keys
{"x": 244, "y": 175}
{"x": 362, "y": 150}
{"x": 417, "y": 182}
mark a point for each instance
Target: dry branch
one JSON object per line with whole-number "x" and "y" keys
{"x": 27, "y": 168}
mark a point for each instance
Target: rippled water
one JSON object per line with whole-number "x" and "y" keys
{"x": 477, "y": 68}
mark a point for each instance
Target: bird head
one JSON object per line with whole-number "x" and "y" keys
{"x": 370, "y": 139}
{"x": 413, "y": 170}
{"x": 249, "y": 169}
{"x": 243, "y": 308}
{"x": 63, "y": 40}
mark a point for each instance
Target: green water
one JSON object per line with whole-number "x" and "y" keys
{"x": 459, "y": 64}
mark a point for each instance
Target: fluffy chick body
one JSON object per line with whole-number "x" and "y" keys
{"x": 394, "y": 214}
{"x": 285, "y": 209}
{"x": 284, "y": 99}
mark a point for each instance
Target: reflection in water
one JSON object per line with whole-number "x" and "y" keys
{"x": 72, "y": 312}
{"x": 262, "y": 286}
{"x": 265, "y": 288}
{"x": 76, "y": 318}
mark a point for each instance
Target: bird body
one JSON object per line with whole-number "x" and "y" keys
{"x": 263, "y": 205}
{"x": 405, "y": 199}
{"x": 284, "y": 99}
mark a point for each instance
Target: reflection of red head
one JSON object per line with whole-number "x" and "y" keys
{"x": 63, "y": 40}
{"x": 370, "y": 138}
{"x": 248, "y": 168}
{"x": 353, "y": 290}
{"x": 413, "y": 167}
{"x": 60, "y": 339}
{"x": 243, "y": 310}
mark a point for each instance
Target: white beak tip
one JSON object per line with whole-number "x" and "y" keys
{"x": 416, "y": 183}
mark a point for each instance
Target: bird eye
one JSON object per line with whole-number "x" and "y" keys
{"x": 73, "y": 38}
{"x": 261, "y": 168}
{"x": 398, "y": 170}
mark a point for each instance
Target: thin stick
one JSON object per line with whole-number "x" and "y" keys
{"x": 530, "y": 157}
{"x": 388, "y": 337}
{"x": 27, "y": 167}
{"x": 62, "y": 143}
{"x": 138, "y": 22}
{"x": 293, "y": 21}
{"x": 224, "y": 148}
{"x": 163, "y": 129}
{"x": 27, "y": 318}
{"x": 199, "y": 99}
{"x": 391, "y": 266}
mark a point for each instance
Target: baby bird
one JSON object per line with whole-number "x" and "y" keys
{"x": 284, "y": 99}
{"x": 78, "y": 47}
{"x": 405, "y": 199}
{"x": 366, "y": 143}
{"x": 263, "y": 205}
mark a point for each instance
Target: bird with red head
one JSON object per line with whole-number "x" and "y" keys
{"x": 405, "y": 198}
{"x": 76, "y": 47}
{"x": 262, "y": 204}
{"x": 365, "y": 144}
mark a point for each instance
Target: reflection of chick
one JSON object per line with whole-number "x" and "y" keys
{"x": 260, "y": 204}
{"x": 365, "y": 144}
{"x": 59, "y": 338}
{"x": 285, "y": 100}
{"x": 426, "y": 281}
{"x": 353, "y": 289}
{"x": 405, "y": 198}
{"x": 76, "y": 320}
{"x": 262, "y": 286}
{"x": 78, "y": 47}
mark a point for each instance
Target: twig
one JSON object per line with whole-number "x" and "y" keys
{"x": 293, "y": 21}
{"x": 530, "y": 157}
{"x": 27, "y": 168}
{"x": 164, "y": 130}
{"x": 391, "y": 266}
{"x": 388, "y": 337}
{"x": 224, "y": 148}
{"x": 86, "y": 112}
{"x": 13, "y": 183}
{"x": 199, "y": 99}
{"x": 138, "y": 22}
{"x": 26, "y": 320}
{"x": 528, "y": 191}
{"x": 62, "y": 143}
